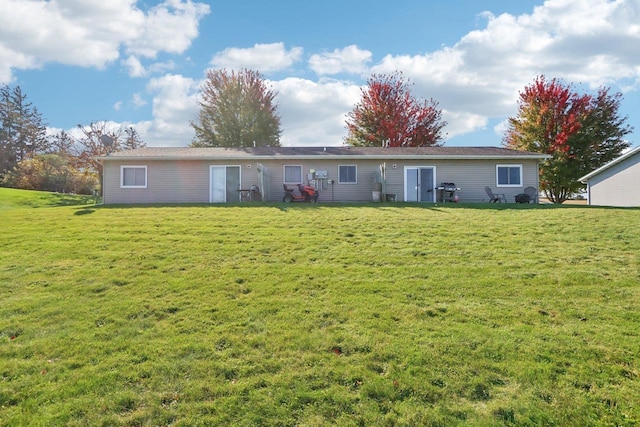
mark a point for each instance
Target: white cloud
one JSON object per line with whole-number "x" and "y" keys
{"x": 314, "y": 113}
{"x": 460, "y": 122}
{"x": 262, "y": 57}
{"x": 117, "y": 106}
{"x": 501, "y": 128}
{"x": 476, "y": 81}
{"x": 594, "y": 42}
{"x": 137, "y": 100}
{"x": 90, "y": 33}
{"x": 161, "y": 67}
{"x": 168, "y": 27}
{"x": 10, "y": 59}
{"x": 350, "y": 59}
{"x": 58, "y": 31}
{"x": 134, "y": 67}
{"x": 175, "y": 105}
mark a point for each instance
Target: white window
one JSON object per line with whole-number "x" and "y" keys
{"x": 347, "y": 174}
{"x": 293, "y": 174}
{"x": 509, "y": 175}
{"x": 133, "y": 176}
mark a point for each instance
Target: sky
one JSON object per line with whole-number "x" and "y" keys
{"x": 142, "y": 63}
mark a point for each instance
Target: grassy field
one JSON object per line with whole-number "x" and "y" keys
{"x": 312, "y": 315}
{"x": 12, "y": 199}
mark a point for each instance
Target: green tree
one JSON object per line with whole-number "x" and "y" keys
{"x": 581, "y": 132}
{"x": 237, "y": 109}
{"x": 22, "y": 131}
{"x": 388, "y": 115}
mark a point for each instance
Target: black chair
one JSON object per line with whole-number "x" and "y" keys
{"x": 532, "y": 192}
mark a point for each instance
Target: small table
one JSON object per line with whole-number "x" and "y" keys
{"x": 245, "y": 195}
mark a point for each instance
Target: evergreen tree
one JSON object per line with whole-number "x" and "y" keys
{"x": 22, "y": 131}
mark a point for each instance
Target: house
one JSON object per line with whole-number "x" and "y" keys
{"x": 617, "y": 183}
{"x": 353, "y": 174}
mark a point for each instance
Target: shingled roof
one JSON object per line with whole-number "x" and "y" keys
{"x": 217, "y": 153}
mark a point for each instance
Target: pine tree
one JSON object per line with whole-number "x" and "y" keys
{"x": 22, "y": 131}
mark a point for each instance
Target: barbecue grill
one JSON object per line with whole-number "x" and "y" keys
{"x": 448, "y": 192}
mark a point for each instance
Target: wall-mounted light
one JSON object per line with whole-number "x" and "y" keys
{"x": 248, "y": 166}
{"x": 395, "y": 166}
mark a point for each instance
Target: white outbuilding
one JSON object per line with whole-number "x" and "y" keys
{"x": 617, "y": 183}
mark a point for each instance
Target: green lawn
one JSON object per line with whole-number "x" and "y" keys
{"x": 11, "y": 199}
{"x": 389, "y": 314}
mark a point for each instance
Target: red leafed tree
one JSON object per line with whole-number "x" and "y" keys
{"x": 389, "y": 116}
{"x": 580, "y": 132}
{"x": 548, "y": 114}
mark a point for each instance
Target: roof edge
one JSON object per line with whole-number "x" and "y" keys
{"x": 337, "y": 156}
{"x": 606, "y": 166}
{"x": 305, "y": 155}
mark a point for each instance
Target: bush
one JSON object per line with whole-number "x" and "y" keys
{"x": 50, "y": 172}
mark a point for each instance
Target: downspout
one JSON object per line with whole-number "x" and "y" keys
{"x": 261, "y": 180}
{"x": 588, "y": 193}
{"x": 101, "y": 193}
{"x": 538, "y": 180}
{"x": 383, "y": 179}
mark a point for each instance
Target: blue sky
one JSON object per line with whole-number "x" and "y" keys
{"x": 141, "y": 63}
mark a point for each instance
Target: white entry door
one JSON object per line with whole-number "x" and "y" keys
{"x": 419, "y": 184}
{"x": 225, "y": 183}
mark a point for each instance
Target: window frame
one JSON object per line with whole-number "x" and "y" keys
{"x": 284, "y": 174}
{"x": 355, "y": 175}
{"x": 122, "y": 169}
{"x": 509, "y": 166}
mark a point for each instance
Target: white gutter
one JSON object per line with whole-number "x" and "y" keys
{"x": 332, "y": 157}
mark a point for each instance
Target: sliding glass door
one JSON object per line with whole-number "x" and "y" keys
{"x": 419, "y": 184}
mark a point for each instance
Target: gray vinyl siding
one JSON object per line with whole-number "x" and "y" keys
{"x": 474, "y": 175}
{"x": 170, "y": 181}
{"x": 617, "y": 185}
{"x": 188, "y": 181}
{"x": 471, "y": 176}
{"x": 360, "y": 192}
{"x": 167, "y": 182}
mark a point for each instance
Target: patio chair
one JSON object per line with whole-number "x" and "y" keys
{"x": 532, "y": 192}
{"x": 254, "y": 193}
{"x": 495, "y": 197}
